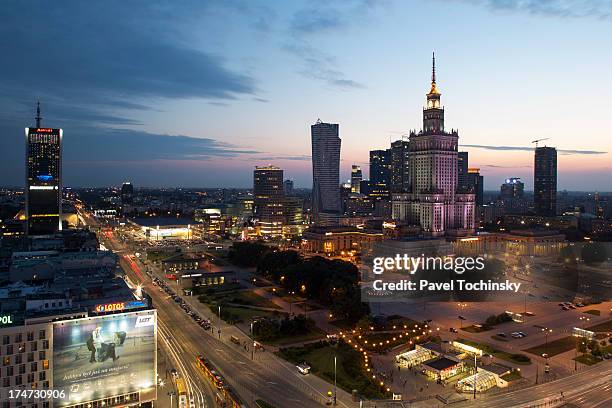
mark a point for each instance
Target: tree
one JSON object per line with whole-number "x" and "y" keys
{"x": 273, "y": 263}
{"x": 594, "y": 253}
{"x": 247, "y": 253}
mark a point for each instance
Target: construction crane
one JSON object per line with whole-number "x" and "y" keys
{"x": 539, "y": 140}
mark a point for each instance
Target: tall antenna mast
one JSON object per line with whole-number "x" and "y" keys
{"x": 38, "y": 117}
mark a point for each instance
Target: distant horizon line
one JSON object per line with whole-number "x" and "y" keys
{"x": 118, "y": 186}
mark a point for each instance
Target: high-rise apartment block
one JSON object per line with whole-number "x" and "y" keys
{"x": 545, "y": 181}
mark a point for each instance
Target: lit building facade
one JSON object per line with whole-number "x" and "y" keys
{"x": 380, "y": 174}
{"x": 43, "y": 209}
{"x": 433, "y": 200}
{"x": 356, "y": 178}
{"x": 268, "y": 191}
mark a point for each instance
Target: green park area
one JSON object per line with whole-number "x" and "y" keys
{"x": 235, "y": 315}
{"x": 588, "y": 359}
{"x": 511, "y": 357}
{"x": 552, "y": 348}
{"x": 476, "y": 329}
{"x": 351, "y": 372}
{"x": 512, "y": 376}
{"x": 238, "y": 297}
{"x": 594, "y": 312}
{"x": 237, "y": 305}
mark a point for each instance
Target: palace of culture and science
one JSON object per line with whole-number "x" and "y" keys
{"x": 432, "y": 198}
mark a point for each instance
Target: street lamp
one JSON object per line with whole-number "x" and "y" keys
{"x": 219, "y": 329}
{"x": 335, "y": 388}
{"x": 546, "y": 331}
{"x": 253, "y": 345}
{"x": 461, "y": 307}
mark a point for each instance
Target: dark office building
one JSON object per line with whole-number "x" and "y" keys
{"x": 462, "y": 171}
{"x": 545, "y": 181}
{"x": 127, "y": 193}
{"x": 43, "y": 208}
{"x": 325, "y": 168}
{"x": 512, "y": 188}
{"x": 475, "y": 183}
{"x": 380, "y": 173}
{"x": 400, "y": 170}
{"x": 288, "y": 187}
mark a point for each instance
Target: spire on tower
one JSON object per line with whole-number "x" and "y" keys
{"x": 434, "y": 88}
{"x": 38, "y": 117}
{"x": 433, "y": 67}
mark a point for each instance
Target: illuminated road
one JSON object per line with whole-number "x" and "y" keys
{"x": 590, "y": 388}
{"x": 267, "y": 378}
{"x": 186, "y": 369}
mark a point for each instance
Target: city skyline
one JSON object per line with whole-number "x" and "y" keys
{"x": 121, "y": 125}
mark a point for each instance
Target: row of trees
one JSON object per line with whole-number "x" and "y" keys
{"x": 274, "y": 328}
{"x": 331, "y": 282}
{"x": 592, "y": 254}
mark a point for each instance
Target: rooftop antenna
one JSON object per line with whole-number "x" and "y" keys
{"x": 38, "y": 117}
{"x": 433, "y": 67}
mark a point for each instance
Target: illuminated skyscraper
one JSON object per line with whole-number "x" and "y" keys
{"x": 356, "y": 177}
{"x": 268, "y": 203}
{"x": 43, "y": 182}
{"x": 325, "y": 168}
{"x": 380, "y": 173}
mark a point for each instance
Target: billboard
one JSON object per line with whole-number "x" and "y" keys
{"x": 105, "y": 356}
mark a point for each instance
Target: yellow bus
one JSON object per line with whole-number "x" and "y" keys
{"x": 181, "y": 392}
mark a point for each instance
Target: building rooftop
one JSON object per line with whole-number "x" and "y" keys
{"x": 441, "y": 364}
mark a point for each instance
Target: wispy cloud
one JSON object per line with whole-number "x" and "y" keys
{"x": 601, "y": 9}
{"x": 316, "y": 64}
{"x": 309, "y": 23}
{"x": 108, "y": 64}
{"x": 529, "y": 149}
{"x": 282, "y": 157}
{"x": 496, "y": 166}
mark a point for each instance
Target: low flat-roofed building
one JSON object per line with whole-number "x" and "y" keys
{"x": 517, "y": 242}
{"x": 331, "y": 240}
{"x": 183, "y": 262}
{"x": 202, "y": 277}
{"x": 414, "y": 357}
{"x": 442, "y": 368}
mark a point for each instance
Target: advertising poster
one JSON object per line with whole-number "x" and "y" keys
{"x": 104, "y": 356}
